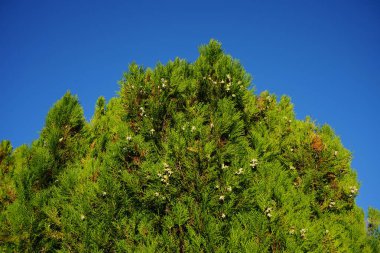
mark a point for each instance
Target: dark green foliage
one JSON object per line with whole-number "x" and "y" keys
{"x": 374, "y": 228}
{"x": 7, "y": 187}
{"x": 185, "y": 159}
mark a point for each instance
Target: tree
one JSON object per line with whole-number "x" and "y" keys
{"x": 186, "y": 159}
{"x": 374, "y": 228}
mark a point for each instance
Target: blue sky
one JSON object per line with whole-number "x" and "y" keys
{"x": 324, "y": 54}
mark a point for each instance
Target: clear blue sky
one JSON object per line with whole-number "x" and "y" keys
{"x": 324, "y": 54}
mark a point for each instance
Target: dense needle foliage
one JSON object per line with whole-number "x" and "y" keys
{"x": 185, "y": 159}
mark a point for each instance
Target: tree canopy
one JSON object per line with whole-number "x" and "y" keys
{"x": 186, "y": 158}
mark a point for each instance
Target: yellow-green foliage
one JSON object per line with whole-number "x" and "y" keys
{"x": 185, "y": 159}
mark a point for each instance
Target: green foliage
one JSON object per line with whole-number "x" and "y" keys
{"x": 185, "y": 159}
{"x": 374, "y": 228}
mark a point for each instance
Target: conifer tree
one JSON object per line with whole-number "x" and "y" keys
{"x": 185, "y": 159}
{"x": 7, "y": 190}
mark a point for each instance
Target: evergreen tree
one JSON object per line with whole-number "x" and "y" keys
{"x": 185, "y": 159}
{"x": 7, "y": 187}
